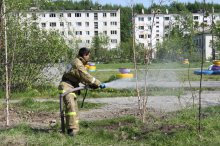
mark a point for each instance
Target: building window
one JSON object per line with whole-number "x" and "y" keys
{"x": 104, "y": 15}
{"x": 43, "y": 15}
{"x": 105, "y": 32}
{"x": 87, "y": 14}
{"x": 114, "y": 41}
{"x": 196, "y": 17}
{"x": 113, "y": 14}
{"x": 157, "y": 30}
{"x": 43, "y": 24}
{"x": 166, "y": 26}
{"x": 77, "y": 14}
{"x": 52, "y": 15}
{"x": 69, "y": 23}
{"x": 87, "y": 32}
{"x": 53, "y": 24}
{"x": 96, "y": 33}
{"x": 141, "y": 27}
{"x": 87, "y": 24}
{"x": 113, "y": 31}
{"x": 105, "y": 23}
{"x": 62, "y": 33}
{"x": 148, "y": 36}
{"x": 70, "y": 33}
{"x": 157, "y": 35}
{"x": 167, "y": 18}
{"x": 88, "y": 41}
{"x": 140, "y": 18}
{"x": 95, "y": 16}
{"x": 157, "y": 40}
{"x": 113, "y": 23}
{"x": 157, "y": 17}
{"x": 61, "y": 23}
{"x": 149, "y": 27}
{"x": 68, "y": 14}
{"x": 61, "y": 14}
{"x": 149, "y": 18}
{"x": 96, "y": 25}
{"x": 157, "y": 22}
{"x": 78, "y": 32}
{"x": 78, "y": 23}
{"x": 141, "y": 36}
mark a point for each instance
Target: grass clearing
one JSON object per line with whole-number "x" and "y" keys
{"x": 29, "y": 104}
{"x": 178, "y": 128}
{"x": 181, "y": 76}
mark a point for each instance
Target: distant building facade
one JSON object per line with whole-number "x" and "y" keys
{"x": 80, "y": 25}
{"x": 204, "y": 42}
{"x": 151, "y": 29}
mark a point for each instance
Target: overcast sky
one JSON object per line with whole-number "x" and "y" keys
{"x": 147, "y": 3}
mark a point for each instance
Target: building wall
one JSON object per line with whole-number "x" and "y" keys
{"x": 151, "y": 29}
{"x": 207, "y": 44}
{"x": 81, "y": 25}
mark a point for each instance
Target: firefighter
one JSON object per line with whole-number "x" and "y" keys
{"x": 76, "y": 73}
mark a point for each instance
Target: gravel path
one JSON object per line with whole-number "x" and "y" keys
{"x": 114, "y": 107}
{"x": 127, "y": 105}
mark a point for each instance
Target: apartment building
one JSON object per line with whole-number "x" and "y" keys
{"x": 80, "y": 25}
{"x": 151, "y": 29}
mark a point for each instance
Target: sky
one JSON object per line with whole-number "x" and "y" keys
{"x": 147, "y": 3}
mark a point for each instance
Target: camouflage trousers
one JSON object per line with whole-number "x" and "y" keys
{"x": 71, "y": 107}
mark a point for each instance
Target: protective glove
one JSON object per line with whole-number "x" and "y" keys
{"x": 102, "y": 86}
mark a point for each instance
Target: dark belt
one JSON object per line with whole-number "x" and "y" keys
{"x": 64, "y": 79}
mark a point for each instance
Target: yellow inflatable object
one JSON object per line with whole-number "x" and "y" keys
{"x": 216, "y": 62}
{"x": 125, "y": 76}
{"x": 185, "y": 61}
{"x": 86, "y": 66}
{"x": 92, "y": 68}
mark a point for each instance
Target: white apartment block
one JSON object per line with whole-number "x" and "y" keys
{"x": 151, "y": 29}
{"x": 80, "y": 25}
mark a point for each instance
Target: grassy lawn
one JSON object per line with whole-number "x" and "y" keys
{"x": 109, "y": 75}
{"x": 179, "y": 128}
{"x": 170, "y": 65}
{"x": 29, "y": 104}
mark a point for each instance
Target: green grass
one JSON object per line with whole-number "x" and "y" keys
{"x": 46, "y": 91}
{"x": 179, "y": 128}
{"x": 29, "y": 104}
{"x": 165, "y": 65}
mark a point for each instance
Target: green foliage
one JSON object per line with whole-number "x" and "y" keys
{"x": 99, "y": 48}
{"x": 30, "y": 51}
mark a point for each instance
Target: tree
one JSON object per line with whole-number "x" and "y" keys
{"x": 99, "y": 47}
{"x": 30, "y": 51}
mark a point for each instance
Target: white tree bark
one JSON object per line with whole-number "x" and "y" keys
{"x": 6, "y": 63}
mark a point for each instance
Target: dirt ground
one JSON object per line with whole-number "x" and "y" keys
{"x": 114, "y": 107}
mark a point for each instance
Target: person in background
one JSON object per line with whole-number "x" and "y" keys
{"x": 76, "y": 73}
